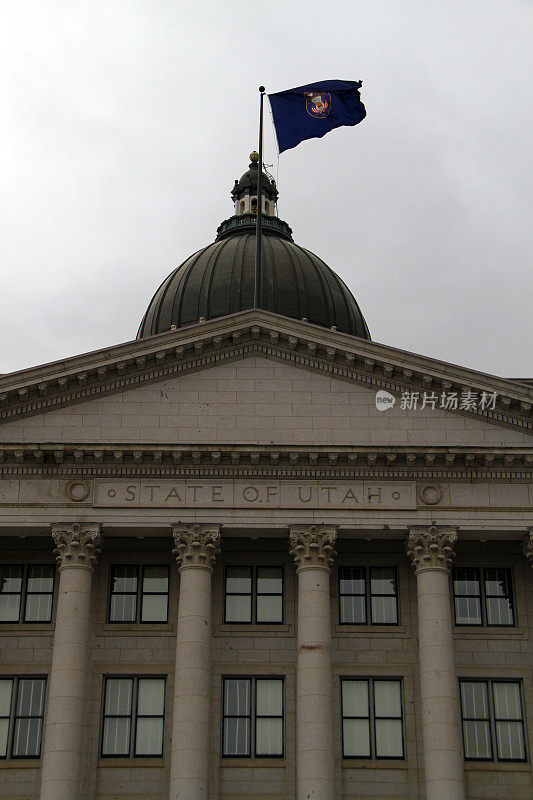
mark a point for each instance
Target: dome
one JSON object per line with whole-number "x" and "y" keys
{"x": 219, "y": 279}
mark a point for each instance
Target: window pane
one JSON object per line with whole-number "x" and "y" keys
{"x": 238, "y": 608}
{"x": 9, "y": 607}
{"x": 6, "y": 688}
{"x": 269, "y": 737}
{"x": 477, "y": 740}
{"x": 124, "y": 579}
{"x": 4, "y": 728}
{"x": 466, "y": 581}
{"x": 497, "y": 582}
{"x": 154, "y": 608}
{"x": 237, "y": 696}
{"x": 474, "y": 701}
{"x": 387, "y": 699}
{"x": 123, "y": 608}
{"x": 237, "y": 737}
{"x": 118, "y": 696}
{"x": 499, "y": 611}
{"x": 507, "y": 703}
{"x": 389, "y": 738}
{"x": 269, "y": 579}
{"x": 352, "y": 580}
{"x": 355, "y": 698}
{"x": 149, "y": 737}
{"x": 10, "y": 579}
{"x": 151, "y": 699}
{"x": 382, "y": 580}
{"x": 41, "y": 579}
{"x": 353, "y": 610}
{"x": 384, "y": 610}
{"x": 269, "y": 609}
{"x": 116, "y": 738}
{"x": 155, "y": 579}
{"x": 27, "y": 737}
{"x": 38, "y": 608}
{"x": 356, "y": 737}
{"x": 30, "y": 701}
{"x": 269, "y": 699}
{"x": 510, "y": 740}
{"x": 239, "y": 579}
{"x": 468, "y": 611}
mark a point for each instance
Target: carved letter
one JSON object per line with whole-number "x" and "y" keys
{"x": 350, "y": 496}
{"x": 372, "y": 494}
{"x": 300, "y": 493}
{"x": 152, "y": 487}
{"x": 216, "y": 494}
{"x": 130, "y": 493}
{"x": 173, "y": 493}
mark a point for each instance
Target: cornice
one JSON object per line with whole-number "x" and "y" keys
{"x": 255, "y": 333}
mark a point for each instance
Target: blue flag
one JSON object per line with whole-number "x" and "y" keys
{"x": 311, "y": 111}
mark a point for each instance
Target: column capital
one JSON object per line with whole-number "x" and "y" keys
{"x": 527, "y": 547}
{"x": 431, "y": 546}
{"x": 77, "y": 544}
{"x": 197, "y": 545}
{"x": 312, "y": 545}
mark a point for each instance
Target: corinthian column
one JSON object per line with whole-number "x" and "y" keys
{"x": 431, "y": 552}
{"x": 196, "y": 549}
{"x": 312, "y": 548}
{"x": 77, "y": 550}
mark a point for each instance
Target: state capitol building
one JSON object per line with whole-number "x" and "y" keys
{"x": 253, "y": 555}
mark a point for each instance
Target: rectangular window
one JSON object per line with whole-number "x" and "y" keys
{"x": 134, "y": 713}
{"x": 26, "y": 592}
{"x": 368, "y": 595}
{"x": 139, "y": 593}
{"x": 21, "y": 716}
{"x": 493, "y": 720}
{"x": 483, "y": 596}
{"x": 252, "y": 717}
{"x": 372, "y": 718}
{"x": 253, "y": 594}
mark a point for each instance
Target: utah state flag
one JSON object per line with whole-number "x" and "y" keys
{"x": 312, "y": 111}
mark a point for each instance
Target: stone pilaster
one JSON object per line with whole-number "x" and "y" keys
{"x": 312, "y": 549}
{"x": 527, "y": 547}
{"x": 77, "y": 547}
{"x": 196, "y": 550}
{"x": 431, "y": 550}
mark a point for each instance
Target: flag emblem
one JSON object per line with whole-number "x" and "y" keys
{"x": 318, "y": 104}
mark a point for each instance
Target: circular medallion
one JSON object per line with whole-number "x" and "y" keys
{"x": 431, "y": 494}
{"x": 77, "y": 491}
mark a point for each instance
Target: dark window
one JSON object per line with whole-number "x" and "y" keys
{"x": 493, "y": 720}
{"x": 368, "y": 595}
{"x": 26, "y": 592}
{"x": 372, "y": 718}
{"x": 252, "y": 717}
{"x": 139, "y": 593}
{"x": 253, "y": 594}
{"x": 483, "y": 596}
{"x": 133, "y": 720}
{"x": 21, "y": 716}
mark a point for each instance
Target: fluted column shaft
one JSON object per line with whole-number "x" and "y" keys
{"x": 196, "y": 548}
{"x": 77, "y": 550}
{"x": 312, "y": 548}
{"x": 431, "y": 552}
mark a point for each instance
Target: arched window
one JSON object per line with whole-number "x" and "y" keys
{"x": 267, "y": 209}
{"x": 242, "y": 206}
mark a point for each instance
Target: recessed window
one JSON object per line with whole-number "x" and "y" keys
{"x": 26, "y": 592}
{"x": 368, "y": 595}
{"x": 483, "y": 596}
{"x": 372, "y": 718}
{"x": 252, "y": 717}
{"x": 253, "y": 594}
{"x": 267, "y": 207}
{"x": 134, "y": 713}
{"x": 139, "y": 593}
{"x": 242, "y": 206}
{"x": 493, "y": 720}
{"x": 254, "y": 205}
{"x": 21, "y": 716}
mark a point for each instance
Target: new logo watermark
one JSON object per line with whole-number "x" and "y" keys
{"x": 466, "y": 400}
{"x": 384, "y": 400}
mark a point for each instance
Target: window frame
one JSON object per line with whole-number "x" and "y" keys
{"x": 254, "y": 594}
{"x": 370, "y": 681}
{"x": 368, "y": 595}
{"x": 133, "y": 716}
{"x": 138, "y": 594}
{"x": 252, "y": 716}
{"x": 26, "y": 567}
{"x": 480, "y": 571}
{"x": 13, "y": 716}
{"x": 492, "y": 720}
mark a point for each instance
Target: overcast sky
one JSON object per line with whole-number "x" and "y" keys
{"x": 125, "y": 124}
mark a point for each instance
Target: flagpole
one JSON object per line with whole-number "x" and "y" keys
{"x": 258, "y": 228}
